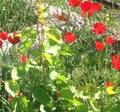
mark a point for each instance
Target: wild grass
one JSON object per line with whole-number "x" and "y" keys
{"x": 15, "y": 15}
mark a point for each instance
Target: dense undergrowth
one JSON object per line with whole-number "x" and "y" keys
{"x": 16, "y": 15}
{"x": 71, "y": 70}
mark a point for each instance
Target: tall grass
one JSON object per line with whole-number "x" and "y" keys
{"x": 15, "y": 15}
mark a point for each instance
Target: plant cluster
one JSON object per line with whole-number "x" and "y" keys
{"x": 70, "y": 71}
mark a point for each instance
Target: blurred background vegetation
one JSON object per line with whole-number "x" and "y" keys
{"x": 16, "y": 15}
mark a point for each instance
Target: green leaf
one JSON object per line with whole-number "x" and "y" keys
{"x": 65, "y": 102}
{"x": 62, "y": 78}
{"x": 66, "y": 93}
{"x": 25, "y": 46}
{"x": 82, "y": 108}
{"x": 65, "y": 50}
{"x": 48, "y": 43}
{"x": 51, "y": 47}
{"x": 61, "y": 84}
{"x": 27, "y": 34}
{"x": 20, "y": 104}
{"x": 21, "y": 72}
{"x": 12, "y": 87}
{"x": 30, "y": 106}
{"x": 53, "y": 75}
{"x": 56, "y": 75}
{"x": 76, "y": 102}
{"x": 54, "y": 50}
{"x": 27, "y": 39}
{"x": 14, "y": 75}
{"x": 35, "y": 53}
{"x": 53, "y": 34}
{"x": 41, "y": 95}
{"x": 52, "y": 37}
{"x": 48, "y": 57}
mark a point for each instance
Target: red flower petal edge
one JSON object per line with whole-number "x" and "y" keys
{"x": 109, "y": 84}
{"x": 116, "y": 61}
{"x": 74, "y": 3}
{"x": 69, "y": 37}
{"x": 99, "y": 28}
{"x": 99, "y": 46}
{"x": 23, "y": 58}
{"x": 110, "y": 40}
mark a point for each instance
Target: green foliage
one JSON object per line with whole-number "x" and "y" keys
{"x": 41, "y": 95}
{"x": 58, "y": 76}
{"x": 28, "y": 38}
{"x": 66, "y": 93}
{"x": 12, "y": 87}
{"x": 20, "y": 104}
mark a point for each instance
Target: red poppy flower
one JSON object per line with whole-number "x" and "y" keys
{"x": 96, "y": 7}
{"x": 116, "y": 56}
{"x": 89, "y": 8}
{"x": 99, "y": 46}
{"x": 14, "y": 40}
{"x": 69, "y": 37}
{"x": 23, "y": 58}
{"x": 85, "y": 9}
{"x": 116, "y": 61}
{"x": 3, "y": 35}
{"x": 109, "y": 84}
{"x": 110, "y": 40}
{"x": 1, "y": 43}
{"x": 60, "y": 17}
{"x": 99, "y": 28}
{"x": 74, "y": 3}
{"x": 85, "y": 6}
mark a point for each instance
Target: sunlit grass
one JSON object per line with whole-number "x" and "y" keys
{"x": 15, "y": 15}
